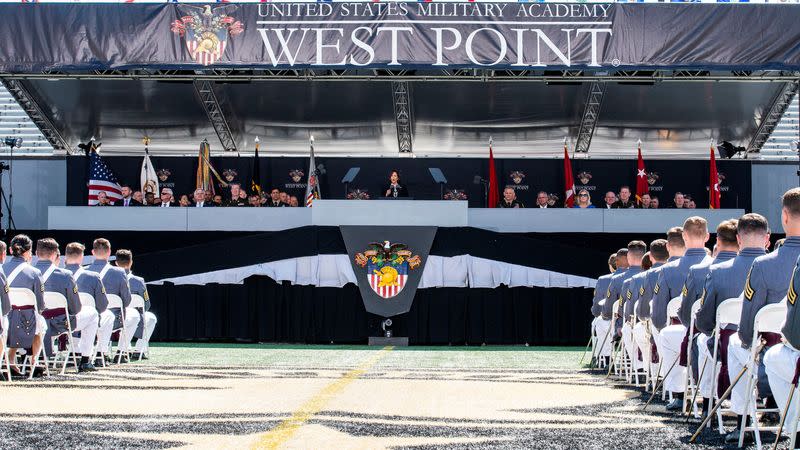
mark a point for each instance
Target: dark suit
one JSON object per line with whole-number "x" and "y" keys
{"x": 513, "y": 204}
{"x": 619, "y": 204}
{"x": 171, "y": 205}
{"x": 131, "y": 202}
{"x": 204, "y": 205}
{"x": 280, "y": 204}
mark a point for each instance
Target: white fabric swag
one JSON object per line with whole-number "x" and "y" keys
{"x": 440, "y": 271}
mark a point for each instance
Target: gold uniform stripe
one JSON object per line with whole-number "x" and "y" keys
{"x": 656, "y": 289}
{"x": 641, "y": 291}
{"x": 748, "y": 291}
{"x": 703, "y": 297}
{"x": 628, "y": 294}
{"x": 684, "y": 291}
{"x": 791, "y": 295}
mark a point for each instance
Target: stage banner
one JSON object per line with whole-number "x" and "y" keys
{"x": 395, "y": 35}
{"x": 388, "y": 263}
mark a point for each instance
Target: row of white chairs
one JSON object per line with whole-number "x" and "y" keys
{"x": 25, "y": 298}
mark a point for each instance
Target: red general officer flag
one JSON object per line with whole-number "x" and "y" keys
{"x": 569, "y": 181}
{"x": 641, "y": 177}
{"x": 713, "y": 183}
{"x": 494, "y": 196}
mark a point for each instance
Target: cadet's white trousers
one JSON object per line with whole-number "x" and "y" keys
{"x": 705, "y": 359}
{"x": 604, "y": 339}
{"x": 86, "y": 321}
{"x": 670, "y": 350}
{"x": 642, "y": 342}
{"x": 630, "y": 346}
{"x": 104, "y": 336}
{"x": 41, "y": 325}
{"x": 104, "y": 330}
{"x": 143, "y": 343}
{"x": 780, "y": 362}
{"x": 737, "y": 358}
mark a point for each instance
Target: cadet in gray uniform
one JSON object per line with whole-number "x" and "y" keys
{"x": 659, "y": 254}
{"x": 724, "y": 281}
{"x": 115, "y": 281}
{"x": 89, "y": 283}
{"x": 603, "y": 325}
{"x": 781, "y": 361}
{"x": 636, "y": 251}
{"x": 600, "y": 290}
{"x": 26, "y": 327}
{"x": 671, "y": 279}
{"x": 147, "y": 320}
{"x": 767, "y": 282}
{"x": 83, "y": 319}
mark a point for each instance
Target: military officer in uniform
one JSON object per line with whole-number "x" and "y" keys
{"x": 147, "y": 320}
{"x": 26, "y": 327}
{"x": 115, "y": 281}
{"x": 604, "y": 327}
{"x": 636, "y": 251}
{"x": 659, "y": 254}
{"x": 89, "y": 283}
{"x": 767, "y": 282}
{"x": 781, "y": 361}
{"x": 83, "y": 319}
{"x": 726, "y": 280}
{"x": 671, "y": 279}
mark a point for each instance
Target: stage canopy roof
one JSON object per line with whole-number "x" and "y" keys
{"x": 368, "y": 78}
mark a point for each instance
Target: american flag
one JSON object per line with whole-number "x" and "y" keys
{"x": 102, "y": 179}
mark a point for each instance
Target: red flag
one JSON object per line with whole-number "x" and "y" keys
{"x": 494, "y": 196}
{"x": 569, "y": 181}
{"x": 641, "y": 177}
{"x": 713, "y": 183}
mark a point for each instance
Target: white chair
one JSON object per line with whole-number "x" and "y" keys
{"x": 672, "y": 313}
{"x": 137, "y": 301}
{"x": 25, "y": 298}
{"x": 87, "y": 299}
{"x": 690, "y": 384}
{"x": 55, "y": 300}
{"x": 769, "y": 319}
{"x": 729, "y": 312}
{"x": 115, "y": 301}
{"x": 599, "y": 340}
{"x": 617, "y": 351}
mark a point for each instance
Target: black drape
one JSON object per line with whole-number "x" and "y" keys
{"x": 262, "y": 310}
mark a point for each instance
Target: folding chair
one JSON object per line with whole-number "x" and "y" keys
{"x": 691, "y": 385}
{"x": 115, "y": 301}
{"x": 729, "y": 312}
{"x": 769, "y": 319}
{"x": 25, "y": 298}
{"x": 4, "y": 362}
{"x": 672, "y": 313}
{"x": 601, "y": 341}
{"x": 635, "y": 375}
{"x": 55, "y": 300}
{"x": 137, "y": 301}
{"x": 88, "y": 300}
{"x": 617, "y": 351}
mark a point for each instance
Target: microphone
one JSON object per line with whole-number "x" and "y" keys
{"x": 394, "y": 190}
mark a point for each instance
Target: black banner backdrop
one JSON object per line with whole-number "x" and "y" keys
{"x": 416, "y": 240}
{"x": 399, "y": 35}
{"x": 525, "y": 176}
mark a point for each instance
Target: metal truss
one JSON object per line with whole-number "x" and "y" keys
{"x": 470, "y": 74}
{"x": 17, "y": 89}
{"x": 403, "y": 117}
{"x": 770, "y": 120}
{"x": 591, "y": 112}
{"x": 213, "y": 109}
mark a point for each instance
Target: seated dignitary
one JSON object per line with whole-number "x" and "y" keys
{"x": 767, "y": 283}
{"x": 89, "y": 282}
{"x": 115, "y": 281}
{"x": 624, "y": 201}
{"x": 725, "y": 248}
{"x": 659, "y": 255}
{"x": 671, "y": 279}
{"x": 26, "y": 327}
{"x": 147, "y": 320}
{"x": 605, "y": 329}
{"x": 636, "y": 251}
{"x": 83, "y": 319}
{"x": 199, "y": 197}
{"x": 781, "y": 362}
{"x": 726, "y": 280}
{"x": 509, "y": 199}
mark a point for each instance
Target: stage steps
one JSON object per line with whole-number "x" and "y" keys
{"x": 16, "y": 123}
{"x": 780, "y": 145}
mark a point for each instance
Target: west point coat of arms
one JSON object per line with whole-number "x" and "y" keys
{"x": 207, "y": 31}
{"x": 387, "y": 267}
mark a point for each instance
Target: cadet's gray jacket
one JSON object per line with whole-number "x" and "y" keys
{"x": 61, "y": 281}
{"x": 629, "y": 286}
{"x": 612, "y": 293}
{"x": 5, "y": 302}
{"x": 724, "y": 280}
{"x": 646, "y": 290}
{"x": 600, "y": 292}
{"x": 90, "y": 283}
{"x": 767, "y": 282}
{"x": 693, "y": 287}
{"x": 791, "y": 329}
{"x": 115, "y": 281}
{"x": 670, "y": 283}
{"x": 22, "y": 323}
